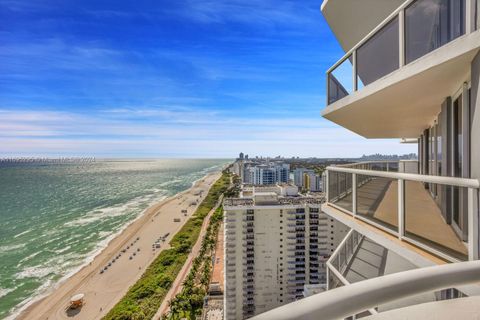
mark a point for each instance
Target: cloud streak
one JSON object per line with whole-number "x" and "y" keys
{"x": 161, "y": 134}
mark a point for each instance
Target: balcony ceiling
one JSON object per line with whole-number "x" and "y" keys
{"x": 352, "y": 20}
{"x": 405, "y": 102}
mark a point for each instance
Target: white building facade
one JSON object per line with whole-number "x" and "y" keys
{"x": 411, "y": 70}
{"x": 266, "y": 173}
{"x": 274, "y": 245}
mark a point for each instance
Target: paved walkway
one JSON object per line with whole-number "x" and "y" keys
{"x": 178, "y": 283}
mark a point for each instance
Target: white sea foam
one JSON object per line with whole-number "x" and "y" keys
{"x": 4, "y": 292}
{"x": 22, "y": 233}
{"x": 63, "y": 249}
{"x": 11, "y": 247}
{"x": 99, "y": 214}
{"x": 35, "y": 272}
{"x": 48, "y": 286}
{"x": 39, "y": 293}
{"x": 33, "y": 255}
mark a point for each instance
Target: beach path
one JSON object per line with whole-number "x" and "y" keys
{"x": 177, "y": 284}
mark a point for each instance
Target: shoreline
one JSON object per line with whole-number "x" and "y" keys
{"x": 55, "y": 298}
{"x": 106, "y": 242}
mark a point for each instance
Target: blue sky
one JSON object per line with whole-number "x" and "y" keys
{"x": 203, "y": 78}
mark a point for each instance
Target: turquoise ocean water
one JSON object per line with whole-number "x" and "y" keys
{"x": 55, "y": 217}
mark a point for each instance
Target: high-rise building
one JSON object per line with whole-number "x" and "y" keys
{"x": 312, "y": 181}
{"x": 411, "y": 71}
{"x": 307, "y": 179}
{"x": 298, "y": 175}
{"x": 266, "y": 173}
{"x": 275, "y": 243}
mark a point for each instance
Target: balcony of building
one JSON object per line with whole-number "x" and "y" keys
{"x": 365, "y": 297}
{"x": 352, "y": 20}
{"x": 391, "y": 84}
{"x": 400, "y": 212}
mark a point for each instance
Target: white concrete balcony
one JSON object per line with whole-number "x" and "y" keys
{"x": 367, "y": 295}
{"x": 398, "y": 211}
{"x": 392, "y": 83}
{"x": 352, "y": 20}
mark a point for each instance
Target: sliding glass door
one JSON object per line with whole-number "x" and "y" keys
{"x": 459, "y": 204}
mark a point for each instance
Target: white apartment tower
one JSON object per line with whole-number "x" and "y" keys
{"x": 266, "y": 173}
{"x": 411, "y": 71}
{"x": 274, "y": 245}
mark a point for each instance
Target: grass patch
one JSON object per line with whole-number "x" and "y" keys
{"x": 145, "y": 297}
{"x": 188, "y": 303}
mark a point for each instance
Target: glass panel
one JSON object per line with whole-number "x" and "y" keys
{"x": 393, "y": 166}
{"x": 458, "y": 160}
{"x": 333, "y": 281}
{"x": 476, "y": 19}
{"x": 430, "y": 24}
{"x": 424, "y": 221}
{"x": 340, "y": 83}
{"x": 379, "y": 166}
{"x": 379, "y": 55}
{"x": 340, "y": 189}
{"x": 342, "y": 259}
{"x": 377, "y": 200}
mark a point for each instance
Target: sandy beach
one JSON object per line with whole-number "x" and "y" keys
{"x": 103, "y": 290}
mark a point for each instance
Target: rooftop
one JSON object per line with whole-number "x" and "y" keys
{"x": 299, "y": 200}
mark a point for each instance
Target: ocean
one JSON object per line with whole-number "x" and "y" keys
{"x": 55, "y": 217}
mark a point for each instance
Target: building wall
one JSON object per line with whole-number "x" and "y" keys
{"x": 276, "y": 251}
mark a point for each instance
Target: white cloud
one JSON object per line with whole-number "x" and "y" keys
{"x": 167, "y": 133}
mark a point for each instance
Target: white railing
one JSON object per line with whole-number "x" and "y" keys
{"x": 342, "y": 302}
{"x": 341, "y": 258}
{"x": 347, "y": 187}
{"x": 469, "y": 22}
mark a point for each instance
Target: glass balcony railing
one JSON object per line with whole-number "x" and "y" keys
{"x": 415, "y": 29}
{"x": 435, "y": 213}
{"x": 476, "y": 15}
{"x": 340, "y": 80}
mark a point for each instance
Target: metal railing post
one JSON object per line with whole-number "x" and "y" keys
{"x": 473, "y": 253}
{"x": 327, "y": 186}
{"x": 328, "y": 88}
{"x": 328, "y": 277}
{"x": 401, "y": 38}
{"x": 401, "y": 208}
{"x": 354, "y": 69}
{"x": 354, "y": 194}
{"x": 469, "y": 16}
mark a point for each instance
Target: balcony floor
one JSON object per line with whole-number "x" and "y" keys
{"x": 377, "y": 200}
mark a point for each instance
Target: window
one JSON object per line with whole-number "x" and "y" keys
{"x": 378, "y": 56}
{"x": 430, "y": 24}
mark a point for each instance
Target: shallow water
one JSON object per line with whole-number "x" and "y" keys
{"x": 55, "y": 217}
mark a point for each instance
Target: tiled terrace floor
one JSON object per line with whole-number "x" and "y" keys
{"x": 377, "y": 200}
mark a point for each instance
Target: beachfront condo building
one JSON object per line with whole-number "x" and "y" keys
{"x": 276, "y": 242}
{"x": 411, "y": 71}
{"x": 265, "y": 173}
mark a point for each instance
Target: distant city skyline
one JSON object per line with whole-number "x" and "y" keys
{"x": 183, "y": 79}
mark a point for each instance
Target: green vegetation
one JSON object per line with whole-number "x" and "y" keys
{"x": 234, "y": 191}
{"x": 189, "y": 302}
{"x": 145, "y": 297}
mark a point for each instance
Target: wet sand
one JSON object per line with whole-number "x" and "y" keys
{"x": 103, "y": 291}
